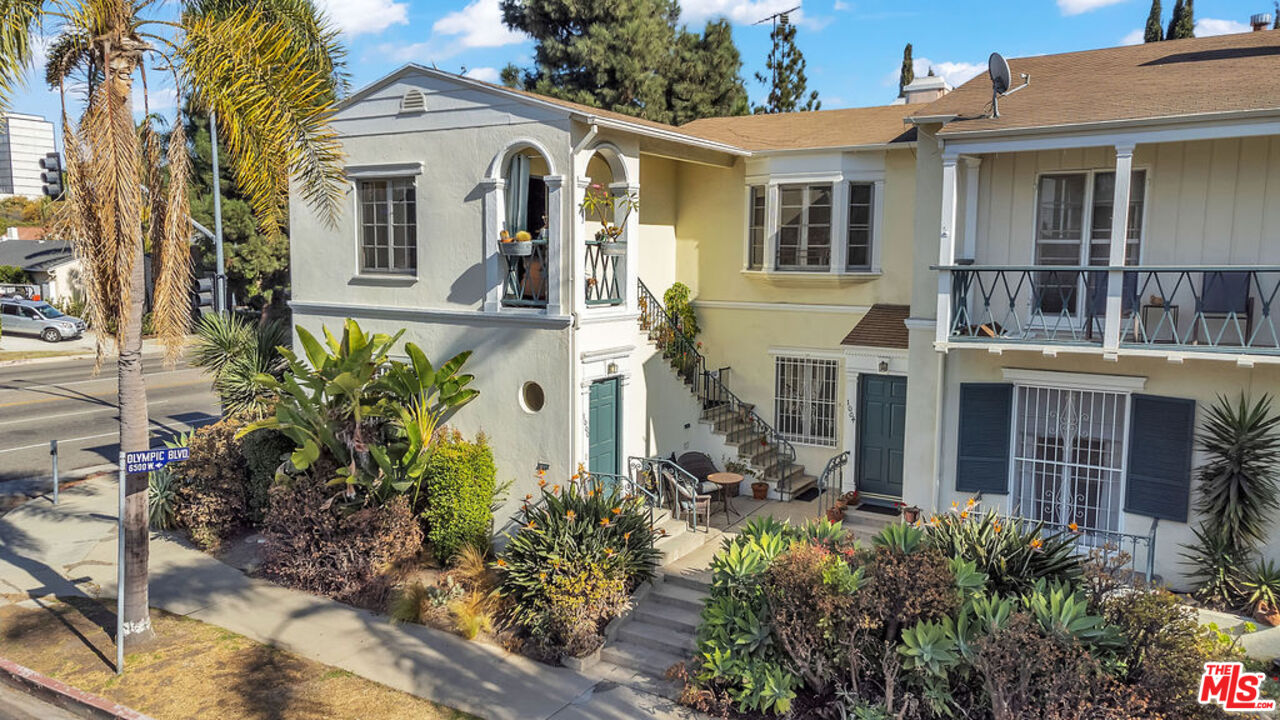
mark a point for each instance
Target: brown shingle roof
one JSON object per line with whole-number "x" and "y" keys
{"x": 882, "y": 326}
{"x": 808, "y": 130}
{"x": 1175, "y": 78}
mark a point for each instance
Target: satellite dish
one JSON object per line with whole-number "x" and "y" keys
{"x": 998, "y": 68}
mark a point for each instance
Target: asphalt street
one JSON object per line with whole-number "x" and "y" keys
{"x": 17, "y": 705}
{"x": 65, "y": 400}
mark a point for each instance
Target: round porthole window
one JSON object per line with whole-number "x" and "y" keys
{"x": 531, "y": 397}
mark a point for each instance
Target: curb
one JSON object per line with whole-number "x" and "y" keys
{"x": 75, "y": 701}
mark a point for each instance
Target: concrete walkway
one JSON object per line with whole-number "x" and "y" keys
{"x": 70, "y": 549}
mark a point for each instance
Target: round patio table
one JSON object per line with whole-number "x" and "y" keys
{"x": 726, "y": 480}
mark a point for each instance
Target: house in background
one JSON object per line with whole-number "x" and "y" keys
{"x": 24, "y": 141}
{"x": 50, "y": 264}
{"x": 1105, "y": 263}
{"x": 794, "y": 233}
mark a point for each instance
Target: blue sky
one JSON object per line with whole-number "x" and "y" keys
{"x": 853, "y": 47}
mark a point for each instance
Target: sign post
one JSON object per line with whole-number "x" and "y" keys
{"x": 134, "y": 462}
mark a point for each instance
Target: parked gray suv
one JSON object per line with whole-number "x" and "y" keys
{"x": 37, "y": 317}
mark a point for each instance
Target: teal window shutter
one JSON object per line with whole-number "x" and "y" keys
{"x": 982, "y": 457}
{"x": 1162, "y": 436}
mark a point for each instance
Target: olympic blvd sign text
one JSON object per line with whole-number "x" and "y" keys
{"x": 1227, "y": 684}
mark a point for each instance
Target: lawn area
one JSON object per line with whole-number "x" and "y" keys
{"x": 195, "y": 670}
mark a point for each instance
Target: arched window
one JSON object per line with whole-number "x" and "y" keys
{"x": 522, "y": 208}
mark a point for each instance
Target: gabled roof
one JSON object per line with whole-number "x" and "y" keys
{"x": 883, "y": 326}
{"x": 1173, "y": 79}
{"x": 740, "y": 135}
{"x": 851, "y": 127}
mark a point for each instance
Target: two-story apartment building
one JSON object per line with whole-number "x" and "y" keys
{"x": 1095, "y": 265}
{"x": 794, "y": 232}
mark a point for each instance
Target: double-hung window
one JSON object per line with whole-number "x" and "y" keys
{"x": 1073, "y": 228}
{"x": 861, "y": 214}
{"x": 804, "y": 227}
{"x": 756, "y": 227}
{"x": 388, "y": 226}
{"x": 805, "y": 399}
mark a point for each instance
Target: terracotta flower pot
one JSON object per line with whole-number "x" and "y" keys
{"x": 760, "y": 490}
{"x": 1267, "y": 614}
{"x": 911, "y": 515}
{"x": 835, "y": 514}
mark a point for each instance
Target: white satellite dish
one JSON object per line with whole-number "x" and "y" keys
{"x": 1001, "y": 77}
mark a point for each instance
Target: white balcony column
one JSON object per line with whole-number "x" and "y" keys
{"x": 1119, "y": 238}
{"x": 630, "y": 266}
{"x": 557, "y": 238}
{"x": 494, "y": 265}
{"x": 576, "y": 246}
{"x": 840, "y": 226}
{"x": 970, "y": 244}
{"x": 946, "y": 246}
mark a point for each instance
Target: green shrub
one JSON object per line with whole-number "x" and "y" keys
{"x": 588, "y": 540}
{"x": 1013, "y": 554}
{"x": 162, "y": 499}
{"x": 212, "y": 485}
{"x": 459, "y": 479}
{"x": 264, "y": 451}
{"x": 314, "y": 544}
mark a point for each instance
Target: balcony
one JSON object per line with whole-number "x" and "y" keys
{"x": 1148, "y": 309}
{"x": 525, "y": 282}
{"x": 604, "y": 264}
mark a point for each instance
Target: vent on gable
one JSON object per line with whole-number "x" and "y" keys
{"x": 413, "y": 102}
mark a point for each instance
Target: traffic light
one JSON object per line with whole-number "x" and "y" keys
{"x": 202, "y": 300}
{"x": 51, "y": 174}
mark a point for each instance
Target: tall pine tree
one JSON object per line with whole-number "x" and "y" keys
{"x": 786, "y": 79}
{"x": 1183, "y": 23}
{"x": 908, "y": 74}
{"x": 1155, "y": 29}
{"x": 629, "y": 56}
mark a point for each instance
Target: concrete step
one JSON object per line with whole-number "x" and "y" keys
{"x": 677, "y": 596}
{"x": 676, "y": 545}
{"x": 680, "y": 620}
{"x": 647, "y": 660}
{"x": 697, "y": 580}
{"x": 796, "y": 484}
{"x": 657, "y": 637}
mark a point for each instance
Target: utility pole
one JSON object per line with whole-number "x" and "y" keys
{"x": 220, "y": 279}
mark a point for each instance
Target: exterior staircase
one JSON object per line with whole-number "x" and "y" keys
{"x": 757, "y": 443}
{"x": 660, "y": 630}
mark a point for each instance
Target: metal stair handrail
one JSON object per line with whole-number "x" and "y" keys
{"x": 682, "y": 351}
{"x": 647, "y": 478}
{"x": 832, "y": 477}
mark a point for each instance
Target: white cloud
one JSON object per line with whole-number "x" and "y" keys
{"x": 955, "y": 73}
{"x": 158, "y": 99}
{"x": 1210, "y": 26}
{"x": 478, "y": 25}
{"x": 751, "y": 11}
{"x": 487, "y": 74}
{"x": 842, "y": 5}
{"x": 1075, "y": 7}
{"x": 1134, "y": 37}
{"x": 358, "y": 17}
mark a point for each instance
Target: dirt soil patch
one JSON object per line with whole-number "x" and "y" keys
{"x": 195, "y": 670}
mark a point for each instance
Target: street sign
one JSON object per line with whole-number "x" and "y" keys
{"x": 148, "y": 460}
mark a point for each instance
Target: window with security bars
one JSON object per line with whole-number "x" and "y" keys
{"x": 804, "y": 227}
{"x": 755, "y": 229}
{"x": 1068, "y": 462}
{"x": 804, "y": 404}
{"x": 388, "y": 226}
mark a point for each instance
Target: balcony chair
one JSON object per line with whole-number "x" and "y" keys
{"x": 1224, "y": 294}
{"x": 700, "y": 466}
{"x": 1098, "y": 302}
{"x": 683, "y": 499}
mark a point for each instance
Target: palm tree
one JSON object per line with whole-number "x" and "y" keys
{"x": 271, "y": 71}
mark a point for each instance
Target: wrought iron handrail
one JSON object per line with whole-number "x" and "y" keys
{"x": 604, "y": 283}
{"x": 832, "y": 477}
{"x": 648, "y": 478}
{"x": 682, "y": 351}
{"x": 526, "y": 281}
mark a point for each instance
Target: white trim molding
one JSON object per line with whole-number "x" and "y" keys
{"x": 806, "y": 353}
{"x": 383, "y": 170}
{"x": 534, "y": 319}
{"x": 1075, "y": 381}
{"x": 781, "y": 307}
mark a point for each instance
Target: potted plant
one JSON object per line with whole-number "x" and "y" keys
{"x": 601, "y": 205}
{"x": 736, "y": 466}
{"x": 519, "y": 246}
{"x": 835, "y": 513}
{"x": 910, "y": 513}
{"x": 760, "y": 490}
{"x": 851, "y": 499}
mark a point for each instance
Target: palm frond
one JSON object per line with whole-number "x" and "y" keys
{"x": 273, "y": 110}
{"x": 68, "y": 53}
{"x": 171, "y": 305}
{"x": 18, "y": 20}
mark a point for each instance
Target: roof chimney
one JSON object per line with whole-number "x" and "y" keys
{"x": 1260, "y": 22}
{"x": 925, "y": 90}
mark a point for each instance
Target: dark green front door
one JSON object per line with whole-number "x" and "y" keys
{"x": 603, "y": 448}
{"x": 882, "y": 421}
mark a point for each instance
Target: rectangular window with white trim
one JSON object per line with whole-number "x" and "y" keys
{"x": 804, "y": 227}
{"x": 1069, "y": 456}
{"x": 861, "y": 214}
{"x": 805, "y": 396}
{"x": 755, "y": 228}
{"x": 388, "y": 226}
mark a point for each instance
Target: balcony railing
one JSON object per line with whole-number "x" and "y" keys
{"x": 525, "y": 284}
{"x": 1189, "y": 308}
{"x": 604, "y": 272}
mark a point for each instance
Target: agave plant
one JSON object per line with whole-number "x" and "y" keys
{"x": 1239, "y": 494}
{"x": 1260, "y": 587}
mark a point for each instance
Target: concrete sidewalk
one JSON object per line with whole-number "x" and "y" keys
{"x": 71, "y": 549}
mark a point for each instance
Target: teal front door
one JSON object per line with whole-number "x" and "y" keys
{"x": 603, "y": 449}
{"x": 882, "y": 422}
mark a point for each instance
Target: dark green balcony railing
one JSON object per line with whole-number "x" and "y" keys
{"x": 525, "y": 284}
{"x": 604, "y": 272}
